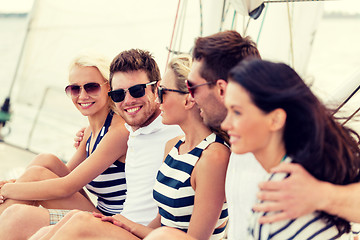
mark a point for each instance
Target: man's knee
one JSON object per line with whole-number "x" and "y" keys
{"x": 78, "y": 224}
{"x": 21, "y": 220}
{"x": 160, "y": 233}
{"x": 81, "y": 216}
{"x": 16, "y": 213}
{"x": 25, "y": 213}
{"x": 168, "y": 233}
{"x": 41, "y": 232}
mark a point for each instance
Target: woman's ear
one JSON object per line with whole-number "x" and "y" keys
{"x": 189, "y": 101}
{"x": 109, "y": 87}
{"x": 221, "y": 86}
{"x": 278, "y": 119}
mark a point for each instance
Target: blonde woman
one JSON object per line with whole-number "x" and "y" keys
{"x": 190, "y": 184}
{"x": 97, "y": 164}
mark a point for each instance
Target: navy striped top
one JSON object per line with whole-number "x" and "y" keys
{"x": 173, "y": 191}
{"x": 310, "y": 226}
{"x": 109, "y": 186}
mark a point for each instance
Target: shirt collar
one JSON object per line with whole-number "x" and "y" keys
{"x": 154, "y": 126}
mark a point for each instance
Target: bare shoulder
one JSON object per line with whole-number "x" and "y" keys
{"x": 118, "y": 126}
{"x": 171, "y": 143}
{"x": 212, "y": 166}
{"x": 116, "y": 137}
{"x": 114, "y": 143}
{"x": 216, "y": 154}
{"x": 217, "y": 149}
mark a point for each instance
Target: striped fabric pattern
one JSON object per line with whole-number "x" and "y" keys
{"x": 306, "y": 227}
{"x": 173, "y": 191}
{"x": 109, "y": 186}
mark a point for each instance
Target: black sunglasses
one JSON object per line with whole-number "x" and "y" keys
{"x": 136, "y": 91}
{"x": 191, "y": 87}
{"x": 161, "y": 91}
{"x": 91, "y": 89}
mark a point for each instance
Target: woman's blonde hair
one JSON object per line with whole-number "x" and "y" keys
{"x": 101, "y": 62}
{"x": 181, "y": 66}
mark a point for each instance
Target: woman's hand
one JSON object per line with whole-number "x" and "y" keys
{"x": 6, "y": 181}
{"x": 2, "y": 190}
{"x": 118, "y": 221}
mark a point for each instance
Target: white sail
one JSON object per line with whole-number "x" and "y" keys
{"x": 61, "y": 29}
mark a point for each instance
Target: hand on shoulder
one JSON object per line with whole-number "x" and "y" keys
{"x": 295, "y": 196}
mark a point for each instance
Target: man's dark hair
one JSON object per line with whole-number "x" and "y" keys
{"x": 135, "y": 60}
{"x": 222, "y": 51}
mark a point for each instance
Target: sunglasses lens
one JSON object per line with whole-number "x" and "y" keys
{"x": 72, "y": 90}
{"x": 137, "y": 91}
{"x": 92, "y": 88}
{"x": 117, "y": 95}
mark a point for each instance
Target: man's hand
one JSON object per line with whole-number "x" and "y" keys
{"x": 79, "y": 137}
{"x": 295, "y": 196}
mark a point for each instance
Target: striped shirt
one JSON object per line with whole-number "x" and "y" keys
{"x": 173, "y": 191}
{"x": 310, "y": 226}
{"x": 109, "y": 186}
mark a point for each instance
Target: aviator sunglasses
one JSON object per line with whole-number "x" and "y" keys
{"x": 136, "y": 91}
{"x": 92, "y": 89}
{"x": 191, "y": 87}
{"x": 161, "y": 91}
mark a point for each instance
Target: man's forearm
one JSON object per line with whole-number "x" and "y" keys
{"x": 342, "y": 201}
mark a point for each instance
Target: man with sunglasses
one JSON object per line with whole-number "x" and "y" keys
{"x": 213, "y": 57}
{"x": 133, "y": 78}
{"x": 295, "y": 196}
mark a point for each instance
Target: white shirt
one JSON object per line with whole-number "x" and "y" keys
{"x": 145, "y": 154}
{"x": 309, "y": 226}
{"x": 243, "y": 176}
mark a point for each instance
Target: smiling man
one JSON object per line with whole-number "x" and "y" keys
{"x": 214, "y": 56}
{"x": 133, "y": 78}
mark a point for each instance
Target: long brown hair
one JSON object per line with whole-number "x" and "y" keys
{"x": 313, "y": 138}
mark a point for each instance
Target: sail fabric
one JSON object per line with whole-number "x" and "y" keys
{"x": 284, "y": 32}
{"x": 244, "y": 7}
{"x": 60, "y": 30}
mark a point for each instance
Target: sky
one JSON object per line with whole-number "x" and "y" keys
{"x": 15, "y": 5}
{"x": 349, "y": 6}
